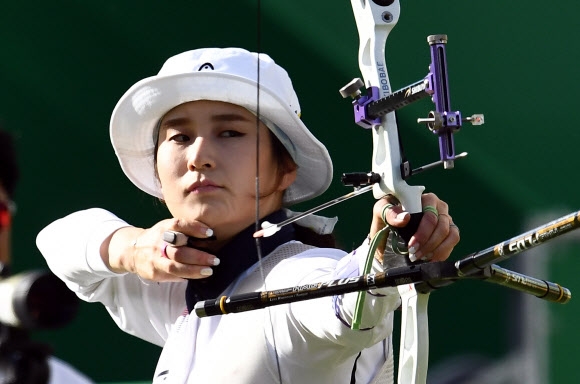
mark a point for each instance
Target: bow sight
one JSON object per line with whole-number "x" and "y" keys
{"x": 369, "y": 108}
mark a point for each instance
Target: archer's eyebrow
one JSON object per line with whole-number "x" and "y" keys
{"x": 222, "y": 117}
{"x": 229, "y": 117}
{"x": 175, "y": 122}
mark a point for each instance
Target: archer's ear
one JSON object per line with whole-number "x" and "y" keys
{"x": 287, "y": 179}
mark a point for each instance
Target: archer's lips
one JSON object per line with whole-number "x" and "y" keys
{"x": 203, "y": 187}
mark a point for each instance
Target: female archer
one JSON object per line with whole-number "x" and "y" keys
{"x": 188, "y": 136}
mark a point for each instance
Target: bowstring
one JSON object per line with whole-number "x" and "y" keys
{"x": 257, "y": 181}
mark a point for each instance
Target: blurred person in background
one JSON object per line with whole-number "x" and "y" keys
{"x": 22, "y": 360}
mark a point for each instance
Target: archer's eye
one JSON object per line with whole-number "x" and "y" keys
{"x": 180, "y": 138}
{"x": 231, "y": 133}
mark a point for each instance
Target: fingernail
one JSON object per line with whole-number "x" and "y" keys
{"x": 415, "y": 248}
{"x": 402, "y": 215}
{"x": 206, "y": 272}
{"x": 412, "y": 257}
{"x": 209, "y": 232}
{"x": 216, "y": 261}
{"x": 428, "y": 256}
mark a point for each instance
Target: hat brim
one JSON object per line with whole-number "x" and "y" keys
{"x": 139, "y": 110}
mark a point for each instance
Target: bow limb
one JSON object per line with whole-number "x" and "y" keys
{"x": 414, "y": 344}
{"x": 375, "y": 19}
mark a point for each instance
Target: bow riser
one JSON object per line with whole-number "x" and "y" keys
{"x": 374, "y": 23}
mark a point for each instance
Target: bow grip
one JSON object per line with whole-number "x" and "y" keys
{"x": 405, "y": 233}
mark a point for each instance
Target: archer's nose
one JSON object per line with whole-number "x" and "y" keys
{"x": 201, "y": 154}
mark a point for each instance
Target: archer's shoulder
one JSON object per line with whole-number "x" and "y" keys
{"x": 297, "y": 252}
{"x": 295, "y": 262}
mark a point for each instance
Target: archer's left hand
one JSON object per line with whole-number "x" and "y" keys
{"x": 436, "y": 236}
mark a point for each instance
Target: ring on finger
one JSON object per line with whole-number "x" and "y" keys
{"x": 384, "y": 211}
{"x": 448, "y": 217}
{"x": 164, "y": 251}
{"x": 432, "y": 209}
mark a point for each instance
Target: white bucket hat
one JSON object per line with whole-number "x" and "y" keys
{"x": 228, "y": 75}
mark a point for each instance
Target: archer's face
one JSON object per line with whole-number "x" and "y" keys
{"x": 206, "y": 162}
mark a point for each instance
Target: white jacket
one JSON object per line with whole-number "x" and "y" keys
{"x": 303, "y": 342}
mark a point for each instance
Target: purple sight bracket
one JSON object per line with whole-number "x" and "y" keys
{"x": 443, "y": 122}
{"x": 369, "y": 108}
{"x": 361, "y": 114}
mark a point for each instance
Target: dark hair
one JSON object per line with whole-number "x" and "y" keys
{"x": 287, "y": 164}
{"x": 8, "y": 165}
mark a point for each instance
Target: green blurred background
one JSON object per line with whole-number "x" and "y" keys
{"x": 65, "y": 64}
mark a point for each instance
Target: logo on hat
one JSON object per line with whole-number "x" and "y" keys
{"x": 205, "y": 66}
